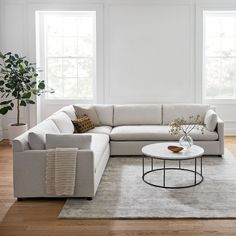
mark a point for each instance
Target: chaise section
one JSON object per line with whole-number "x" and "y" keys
{"x": 98, "y": 146}
{"x": 156, "y": 133}
{"x": 93, "y": 154}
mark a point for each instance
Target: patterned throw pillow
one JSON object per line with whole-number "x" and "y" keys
{"x": 83, "y": 124}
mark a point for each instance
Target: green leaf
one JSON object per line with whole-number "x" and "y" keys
{"x": 30, "y": 101}
{"x": 22, "y": 103}
{"x": 5, "y": 102}
{"x": 26, "y": 95}
{"x": 1, "y": 82}
{"x": 4, "y": 110}
{"x": 41, "y": 85}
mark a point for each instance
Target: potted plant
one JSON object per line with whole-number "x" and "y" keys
{"x": 18, "y": 87}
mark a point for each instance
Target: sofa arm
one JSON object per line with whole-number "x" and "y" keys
{"x": 81, "y": 141}
{"x": 220, "y": 131}
{"x": 20, "y": 143}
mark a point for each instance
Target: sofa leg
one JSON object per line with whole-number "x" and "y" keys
{"x": 89, "y": 198}
{"x": 19, "y": 199}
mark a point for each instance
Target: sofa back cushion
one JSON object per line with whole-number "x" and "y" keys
{"x": 63, "y": 122}
{"x": 211, "y": 120}
{"x": 70, "y": 111}
{"x": 138, "y": 114}
{"x": 174, "y": 111}
{"x": 105, "y": 114}
{"x": 37, "y": 135}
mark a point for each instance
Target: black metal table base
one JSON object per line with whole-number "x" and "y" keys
{"x": 196, "y": 181}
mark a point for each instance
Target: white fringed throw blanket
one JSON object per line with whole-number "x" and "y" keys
{"x": 61, "y": 171}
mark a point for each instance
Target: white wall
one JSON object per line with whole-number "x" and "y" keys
{"x": 150, "y": 53}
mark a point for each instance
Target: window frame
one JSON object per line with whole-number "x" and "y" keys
{"x": 41, "y": 51}
{"x": 199, "y": 49}
{"x": 204, "y": 56}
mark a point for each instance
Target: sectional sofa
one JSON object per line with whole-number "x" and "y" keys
{"x": 123, "y": 131}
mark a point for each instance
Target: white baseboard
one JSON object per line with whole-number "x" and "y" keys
{"x": 230, "y": 132}
{"x": 3, "y": 134}
{"x": 230, "y": 127}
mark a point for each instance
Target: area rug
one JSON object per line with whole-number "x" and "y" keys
{"x": 123, "y": 194}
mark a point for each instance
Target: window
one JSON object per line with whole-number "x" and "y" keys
{"x": 219, "y": 67}
{"x": 67, "y": 53}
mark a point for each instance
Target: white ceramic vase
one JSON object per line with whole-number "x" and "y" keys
{"x": 14, "y": 131}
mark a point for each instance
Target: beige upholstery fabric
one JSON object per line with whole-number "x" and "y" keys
{"x": 210, "y": 120}
{"x": 63, "y": 122}
{"x": 94, "y": 149}
{"x": 31, "y": 183}
{"x": 105, "y": 114}
{"x": 98, "y": 145}
{"x": 25, "y": 142}
{"x": 90, "y": 111}
{"x": 70, "y": 111}
{"x": 155, "y": 132}
{"x": 139, "y": 114}
{"x": 37, "y": 135}
{"x": 220, "y": 131}
{"x": 101, "y": 130}
{"x": 81, "y": 141}
{"x": 36, "y": 141}
{"x": 134, "y": 148}
{"x": 174, "y": 111}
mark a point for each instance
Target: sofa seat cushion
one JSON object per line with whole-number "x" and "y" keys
{"x": 101, "y": 130}
{"x": 155, "y": 132}
{"x": 98, "y": 146}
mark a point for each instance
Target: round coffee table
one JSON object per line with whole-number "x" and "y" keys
{"x": 161, "y": 151}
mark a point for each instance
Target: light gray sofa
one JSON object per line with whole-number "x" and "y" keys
{"x": 124, "y": 130}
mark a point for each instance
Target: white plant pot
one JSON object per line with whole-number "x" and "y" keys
{"x": 14, "y": 131}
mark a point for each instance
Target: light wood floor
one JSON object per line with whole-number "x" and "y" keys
{"x": 39, "y": 217}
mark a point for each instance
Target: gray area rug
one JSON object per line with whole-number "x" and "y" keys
{"x": 123, "y": 194}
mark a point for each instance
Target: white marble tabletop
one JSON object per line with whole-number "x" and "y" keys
{"x": 161, "y": 151}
